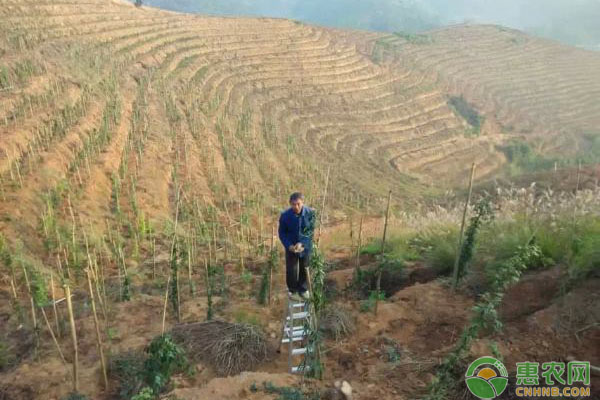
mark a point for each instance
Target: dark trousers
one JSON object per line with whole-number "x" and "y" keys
{"x": 295, "y": 271}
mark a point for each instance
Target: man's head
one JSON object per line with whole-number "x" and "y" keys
{"x": 296, "y": 202}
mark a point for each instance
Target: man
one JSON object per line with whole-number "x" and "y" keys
{"x": 296, "y": 228}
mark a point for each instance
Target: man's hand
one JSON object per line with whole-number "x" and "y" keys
{"x": 296, "y": 248}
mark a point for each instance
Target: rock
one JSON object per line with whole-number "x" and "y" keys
{"x": 341, "y": 391}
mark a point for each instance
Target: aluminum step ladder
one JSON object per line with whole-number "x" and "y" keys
{"x": 296, "y": 326}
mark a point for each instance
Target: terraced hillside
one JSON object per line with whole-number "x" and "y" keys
{"x": 536, "y": 88}
{"x": 139, "y": 146}
{"x": 107, "y": 108}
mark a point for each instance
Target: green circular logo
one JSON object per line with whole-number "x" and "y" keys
{"x": 486, "y": 378}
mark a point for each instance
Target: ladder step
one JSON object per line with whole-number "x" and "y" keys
{"x": 300, "y": 315}
{"x": 297, "y": 352}
{"x": 298, "y": 305}
{"x": 300, "y": 368}
{"x": 295, "y": 339}
{"x": 295, "y": 333}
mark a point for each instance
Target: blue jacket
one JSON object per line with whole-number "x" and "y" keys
{"x": 294, "y": 228}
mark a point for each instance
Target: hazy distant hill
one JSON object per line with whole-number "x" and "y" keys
{"x": 574, "y": 22}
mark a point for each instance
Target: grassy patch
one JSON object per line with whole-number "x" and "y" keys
{"x": 465, "y": 110}
{"x": 523, "y": 158}
{"x": 398, "y": 247}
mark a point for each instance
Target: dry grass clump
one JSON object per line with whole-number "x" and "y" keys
{"x": 337, "y": 322}
{"x": 229, "y": 348}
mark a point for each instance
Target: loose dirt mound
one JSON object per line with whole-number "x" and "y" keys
{"x": 236, "y": 387}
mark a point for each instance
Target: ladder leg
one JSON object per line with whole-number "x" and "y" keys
{"x": 283, "y": 326}
{"x": 290, "y": 327}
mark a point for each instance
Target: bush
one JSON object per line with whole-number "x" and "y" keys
{"x": 393, "y": 277}
{"x": 128, "y": 370}
{"x": 164, "y": 359}
{"x": 145, "y": 394}
{"x": 368, "y": 305}
{"x": 139, "y": 375}
{"x": 438, "y": 247}
{"x": 586, "y": 261}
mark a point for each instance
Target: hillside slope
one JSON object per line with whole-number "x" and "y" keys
{"x": 109, "y": 108}
{"x": 541, "y": 90}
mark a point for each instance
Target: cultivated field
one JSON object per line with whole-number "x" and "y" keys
{"x": 145, "y": 156}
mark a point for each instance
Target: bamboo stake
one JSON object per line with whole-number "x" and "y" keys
{"x": 74, "y": 224}
{"x": 62, "y": 357}
{"x": 323, "y": 206}
{"x": 54, "y": 304}
{"x": 153, "y": 257}
{"x": 462, "y": 229}
{"x": 189, "y": 253}
{"x": 165, "y": 305}
{"x": 576, "y": 190}
{"x": 97, "y": 324}
{"x": 270, "y": 264}
{"x": 173, "y": 250}
{"x": 74, "y": 338}
{"x": 359, "y": 244}
{"x": 33, "y": 316}
{"x": 387, "y": 215}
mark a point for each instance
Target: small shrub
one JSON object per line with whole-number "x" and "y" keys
{"x": 128, "y": 370}
{"x": 145, "y": 394}
{"x": 587, "y": 260}
{"x": 368, "y": 305}
{"x": 164, "y": 359}
{"x": 441, "y": 250}
{"x": 246, "y": 277}
{"x": 393, "y": 354}
{"x": 393, "y": 277}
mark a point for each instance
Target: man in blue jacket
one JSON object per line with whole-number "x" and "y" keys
{"x": 296, "y": 229}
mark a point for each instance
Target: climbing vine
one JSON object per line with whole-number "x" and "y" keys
{"x": 485, "y": 317}
{"x": 483, "y": 214}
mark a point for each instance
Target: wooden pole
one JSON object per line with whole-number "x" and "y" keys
{"x": 73, "y": 338}
{"x": 97, "y": 324}
{"x": 462, "y": 229}
{"x": 385, "y": 225}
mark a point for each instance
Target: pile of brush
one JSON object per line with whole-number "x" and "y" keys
{"x": 227, "y": 347}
